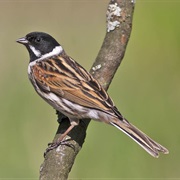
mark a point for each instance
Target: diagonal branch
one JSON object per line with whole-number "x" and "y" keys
{"x": 58, "y": 162}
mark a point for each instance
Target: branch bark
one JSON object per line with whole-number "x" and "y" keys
{"x": 58, "y": 162}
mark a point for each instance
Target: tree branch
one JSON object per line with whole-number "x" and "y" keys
{"x": 58, "y": 162}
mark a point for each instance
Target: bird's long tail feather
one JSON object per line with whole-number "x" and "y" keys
{"x": 152, "y": 147}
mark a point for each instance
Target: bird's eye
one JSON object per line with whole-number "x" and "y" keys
{"x": 37, "y": 40}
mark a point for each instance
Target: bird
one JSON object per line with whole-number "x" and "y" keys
{"x": 70, "y": 89}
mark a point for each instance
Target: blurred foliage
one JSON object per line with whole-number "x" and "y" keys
{"x": 146, "y": 88}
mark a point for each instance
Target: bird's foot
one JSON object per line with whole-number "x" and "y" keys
{"x": 54, "y": 145}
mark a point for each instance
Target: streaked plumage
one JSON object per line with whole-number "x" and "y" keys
{"x": 70, "y": 89}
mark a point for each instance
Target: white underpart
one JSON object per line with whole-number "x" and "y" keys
{"x": 93, "y": 114}
{"x": 56, "y": 51}
{"x": 66, "y": 107}
{"x": 35, "y": 51}
{"x": 53, "y": 97}
{"x": 90, "y": 113}
{"x": 70, "y": 104}
{"x": 56, "y": 102}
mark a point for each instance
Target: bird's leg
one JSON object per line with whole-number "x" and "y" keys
{"x": 60, "y": 141}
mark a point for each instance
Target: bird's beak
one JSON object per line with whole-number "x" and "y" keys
{"x": 22, "y": 40}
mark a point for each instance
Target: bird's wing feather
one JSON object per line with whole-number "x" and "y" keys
{"x": 65, "y": 78}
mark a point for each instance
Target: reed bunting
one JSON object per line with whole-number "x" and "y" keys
{"x": 70, "y": 89}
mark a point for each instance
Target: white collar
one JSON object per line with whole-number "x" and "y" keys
{"x": 56, "y": 51}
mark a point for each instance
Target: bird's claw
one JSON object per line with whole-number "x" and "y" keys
{"x": 52, "y": 146}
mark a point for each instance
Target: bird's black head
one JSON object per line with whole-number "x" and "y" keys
{"x": 40, "y": 44}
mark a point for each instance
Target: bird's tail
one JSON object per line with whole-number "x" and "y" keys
{"x": 152, "y": 147}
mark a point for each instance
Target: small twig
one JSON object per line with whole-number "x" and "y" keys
{"x": 58, "y": 163}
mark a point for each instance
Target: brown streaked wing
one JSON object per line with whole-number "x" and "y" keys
{"x": 69, "y": 80}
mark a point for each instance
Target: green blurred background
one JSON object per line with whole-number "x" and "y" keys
{"x": 146, "y": 88}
